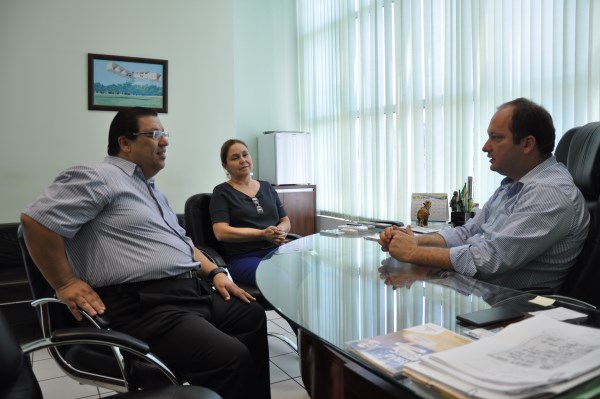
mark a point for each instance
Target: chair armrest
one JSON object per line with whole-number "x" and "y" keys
{"x": 539, "y": 290}
{"x": 213, "y": 256}
{"x": 100, "y": 321}
{"x": 102, "y": 337}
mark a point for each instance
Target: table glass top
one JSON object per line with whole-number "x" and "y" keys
{"x": 345, "y": 288}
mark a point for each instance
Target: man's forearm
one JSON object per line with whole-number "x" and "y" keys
{"x": 205, "y": 265}
{"x": 432, "y": 256}
{"x": 47, "y": 249}
{"x": 431, "y": 240}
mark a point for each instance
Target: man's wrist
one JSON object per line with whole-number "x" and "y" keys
{"x": 215, "y": 271}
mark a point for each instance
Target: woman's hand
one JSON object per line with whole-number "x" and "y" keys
{"x": 275, "y": 235}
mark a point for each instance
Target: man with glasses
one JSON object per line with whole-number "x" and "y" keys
{"x": 108, "y": 242}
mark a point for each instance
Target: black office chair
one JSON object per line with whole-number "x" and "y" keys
{"x": 198, "y": 226}
{"x": 17, "y": 380}
{"x": 80, "y": 349}
{"x": 579, "y": 150}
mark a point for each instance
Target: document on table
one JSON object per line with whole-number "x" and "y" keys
{"x": 533, "y": 356}
{"x": 560, "y": 313}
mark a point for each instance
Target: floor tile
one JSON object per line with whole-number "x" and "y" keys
{"x": 271, "y": 314}
{"x": 289, "y": 363}
{"x": 277, "y": 347}
{"x": 283, "y": 324}
{"x": 67, "y": 388}
{"x": 41, "y": 354}
{"x": 272, "y": 326}
{"x": 277, "y": 374}
{"x": 46, "y": 369}
{"x": 288, "y": 389}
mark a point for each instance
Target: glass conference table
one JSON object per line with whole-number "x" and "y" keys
{"x": 338, "y": 289}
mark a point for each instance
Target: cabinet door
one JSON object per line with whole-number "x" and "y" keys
{"x": 300, "y": 207}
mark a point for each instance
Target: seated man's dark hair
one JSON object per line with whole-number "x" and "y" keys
{"x": 531, "y": 119}
{"x": 125, "y": 123}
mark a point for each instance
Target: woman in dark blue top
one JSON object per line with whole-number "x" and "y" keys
{"x": 247, "y": 214}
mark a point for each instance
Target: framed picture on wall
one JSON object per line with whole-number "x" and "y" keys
{"x": 117, "y": 82}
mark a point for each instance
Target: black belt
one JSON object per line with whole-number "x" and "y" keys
{"x": 188, "y": 274}
{"x": 128, "y": 287}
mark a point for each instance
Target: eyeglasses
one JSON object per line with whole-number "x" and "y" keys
{"x": 259, "y": 208}
{"x": 155, "y": 134}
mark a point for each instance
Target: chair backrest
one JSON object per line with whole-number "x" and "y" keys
{"x": 579, "y": 150}
{"x": 199, "y": 228}
{"x": 17, "y": 379}
{"x": 198, "y": 223}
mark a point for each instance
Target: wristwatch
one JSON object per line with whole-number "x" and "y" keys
{"x": 215, "y": 271}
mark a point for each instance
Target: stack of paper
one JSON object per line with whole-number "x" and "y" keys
{"x": 534, "y": 357}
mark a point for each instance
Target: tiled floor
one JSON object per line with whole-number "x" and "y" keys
{"x": 285, "y": 371}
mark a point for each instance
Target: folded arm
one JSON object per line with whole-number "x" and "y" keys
{"x": 425, "y": 249}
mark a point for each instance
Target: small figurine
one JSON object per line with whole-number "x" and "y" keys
{"x": 454, "y": 202}
{"x": 423, "y": 214}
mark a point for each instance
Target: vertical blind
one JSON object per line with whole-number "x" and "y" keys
{"x": 398, "y": 94}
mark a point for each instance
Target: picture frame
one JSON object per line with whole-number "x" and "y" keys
{"x": 120, "y": 82}
{"x": 438, "y": 202}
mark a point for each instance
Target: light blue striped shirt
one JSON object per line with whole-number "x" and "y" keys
{"x": 117, "y": 227}
{"x": 527, "y": 235}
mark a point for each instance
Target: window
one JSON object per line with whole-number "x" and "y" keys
{"x": 398, "y": 94}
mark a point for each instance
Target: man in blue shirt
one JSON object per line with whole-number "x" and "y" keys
{"x": 530, "y": 231}
{"x": 107, "y": 241}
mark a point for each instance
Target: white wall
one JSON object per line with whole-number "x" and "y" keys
{"x": 43, "y": 84}
{"x": 266, "y": 69}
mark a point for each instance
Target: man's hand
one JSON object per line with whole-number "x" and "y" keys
{"x": 386, "y": 237}
{"x": 225, "y": 286}
{"x": 402, "y": 244}
{"x": 78, "y": 294}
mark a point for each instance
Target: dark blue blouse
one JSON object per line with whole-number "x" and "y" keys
{"x": 231, "y": 206}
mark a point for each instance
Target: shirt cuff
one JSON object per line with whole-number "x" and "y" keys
{"x": 451, "y": 237}
{"x": 461, "y": 260}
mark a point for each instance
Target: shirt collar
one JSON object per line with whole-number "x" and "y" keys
{"x": 514, "y": 187}
{"x": 128, "y": 167}
{"x": 533, "y": 173}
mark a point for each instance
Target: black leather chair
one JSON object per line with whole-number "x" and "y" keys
{"x": 198, "y": 226}
{"x": 579, "y": 150}
{"x": 80, "y": 358}
{"x": 17, "y": 380}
